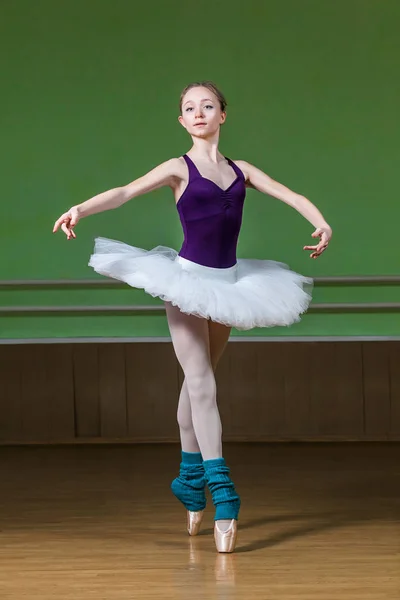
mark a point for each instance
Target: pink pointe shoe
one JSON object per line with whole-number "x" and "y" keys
{"x": 225, "y": 541}
{"x": 194, "y": 519}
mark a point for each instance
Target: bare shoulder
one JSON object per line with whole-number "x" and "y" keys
{"x": 177, "y": 168}
{"x": 176, "y": 173}
{"x": 181, "y": 163}
{"x": 171, "y": 171}
{"x": 245, "y": 167}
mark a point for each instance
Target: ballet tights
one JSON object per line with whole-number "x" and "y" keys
{"x": 189, "y": 441}
{"x": 198, "y": 416}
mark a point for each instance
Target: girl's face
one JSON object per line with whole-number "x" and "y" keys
{"x": 201, "y": 113}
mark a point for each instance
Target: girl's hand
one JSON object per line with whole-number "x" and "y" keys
{"x": 67, "y": 222}
{"x": 325, "y": 234}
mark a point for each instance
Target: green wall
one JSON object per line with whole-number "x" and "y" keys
{"x": 89, "y": 102}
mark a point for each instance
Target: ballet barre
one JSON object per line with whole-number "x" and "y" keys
{"x": 126, "y": 309}
{"x": 19, "y": 284}
{"x": 107, "y": 283}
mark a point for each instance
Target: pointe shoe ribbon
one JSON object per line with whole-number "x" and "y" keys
{"x": 225, "y": 541}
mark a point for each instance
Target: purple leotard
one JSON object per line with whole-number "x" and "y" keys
{"x": 211, "y": 218}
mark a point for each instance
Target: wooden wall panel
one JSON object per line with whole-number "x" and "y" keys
{"x": 347, "y": 411}
{"x": 271, "y": 390}
{"x": 34, "y": 394}
{"x": 10, "y": 393}
{"x": 112, "y": 391}
{"x": 152, "y": 391}
{"x": 376, "y": 378}
{"x": 265, "y": 391}
{"x": 336, "y": 380}
{"x": 38, "y": 391}
{"x": 394, "y": 373}
{"x": 60, "y": 391}
{"x": 322, "y": 384}
{"x": 242, "y": 388}
{"x": 85, "y": 358}
{"x": 297, "y": 390}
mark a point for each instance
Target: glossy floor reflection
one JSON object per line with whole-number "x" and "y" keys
{"x": 317, "y": 521}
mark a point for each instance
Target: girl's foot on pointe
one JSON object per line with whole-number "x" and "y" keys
{"x": 194, "y": 519}
{"x": 225, "y": 537}
{"x": 189, "y": 488}
{"x": 226, "y": 502}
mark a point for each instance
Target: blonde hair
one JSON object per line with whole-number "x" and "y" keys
{"x": 210, "y": 86}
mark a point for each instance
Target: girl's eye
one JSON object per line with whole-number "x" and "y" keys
{"x": 191, "y": 108}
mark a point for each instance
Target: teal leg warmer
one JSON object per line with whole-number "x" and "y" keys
{"x": 189, "y": 486}
{"x": 224, "y": 495}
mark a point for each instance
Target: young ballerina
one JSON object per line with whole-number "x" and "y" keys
{"x": 205, "y": 288}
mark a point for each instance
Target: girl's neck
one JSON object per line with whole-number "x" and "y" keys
{"x": 205, "y": 150}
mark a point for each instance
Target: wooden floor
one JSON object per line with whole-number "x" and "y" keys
{"x": 318, "y": 521}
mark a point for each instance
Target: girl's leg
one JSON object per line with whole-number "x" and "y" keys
{"x": 218, "y": 337}
{"x": 186, "y": 430}
{"x": 191, "y": 340}
{"x": 189, "y": 486}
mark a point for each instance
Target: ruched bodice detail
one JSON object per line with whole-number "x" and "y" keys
{"x": 211, "y": 218}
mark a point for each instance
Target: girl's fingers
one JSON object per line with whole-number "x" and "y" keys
{"x": 57, "y": 224}
{"x": 66, "y": 229}
{"x": 67, "y": 219}
{"x": 318, "y": 252}
{"x": 318, "y": 248}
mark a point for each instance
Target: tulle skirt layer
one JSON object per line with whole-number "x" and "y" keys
{"x": 252, "y": 293}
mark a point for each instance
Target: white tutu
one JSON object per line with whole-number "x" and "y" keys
{"x": 252, "y": 293}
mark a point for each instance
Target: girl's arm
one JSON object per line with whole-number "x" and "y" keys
{"x": 258, "y": 180}
{"x": 164, "y": 174}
